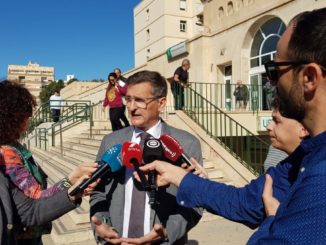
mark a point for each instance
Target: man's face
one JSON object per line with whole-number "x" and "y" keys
{"x": 144, "y": 118}
{"x": 289, "y": 85}
{"x": 285, "y": 134}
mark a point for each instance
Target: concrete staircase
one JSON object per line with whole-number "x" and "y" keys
{"x": 74, "y": 227}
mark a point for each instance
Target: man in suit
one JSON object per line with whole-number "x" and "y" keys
{"x": 112, "y": 203}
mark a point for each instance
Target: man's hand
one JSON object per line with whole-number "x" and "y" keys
{"x": 158, "y": 233}
{"x": 105, "y": 232}
{"x": 271, "y": 204}
{"x": 195, "y": 168}
{"x": 166, "y": 173}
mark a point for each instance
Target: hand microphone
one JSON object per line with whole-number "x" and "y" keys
{"x": 131, "y": 155}
{"x": 109, "y": 163}
{"x": 173, "y": 150}
{"x": 153, "y": 150}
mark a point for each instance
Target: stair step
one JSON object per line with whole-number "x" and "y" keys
{"x": 81, "y": 141}
{"x": 94, "y": 136}
{"x": 75, "y": 154}
{"x": 208, "y": 165}
{"x": 65, "y": 231}
{"x": 215, "y": 174}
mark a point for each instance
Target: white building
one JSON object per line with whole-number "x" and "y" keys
{"x": 158, "y": 25}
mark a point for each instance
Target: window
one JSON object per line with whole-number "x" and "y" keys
{"x": 148, "y": 53}
{"x": 183, "y": 5}
{"x": 230, "y": 8}
{"x": 183, "y": 26}
{"x": 147, "y": 14}
{"x": 263, "y": 47}
{"x": 148, "y": 34}
{"x": 220, "y": 13}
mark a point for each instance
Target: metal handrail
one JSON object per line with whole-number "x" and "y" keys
{"x": 244, "y": 145}
{"x": 43, "y": 112}
{"x": 221, "y": 95}
{"x": 74, "y": 113}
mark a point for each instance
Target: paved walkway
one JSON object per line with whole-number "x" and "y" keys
{"x": 219, "y": 232}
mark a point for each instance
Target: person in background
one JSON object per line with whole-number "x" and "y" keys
{"x": 241, "y": 94}
{"x": 113, "y": 99}
{"x": 270, "y": 91}
{"x": 117, "y": 71}
{"x": 180, "y": 80}
{"x": 56, "y": 105}
{"x": 120, "y": 209}
{"x": 17, "y": 163}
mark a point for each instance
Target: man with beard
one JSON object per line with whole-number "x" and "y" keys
{"x": 290, "y": 206}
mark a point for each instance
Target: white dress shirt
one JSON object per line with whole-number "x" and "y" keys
{"x": 156, "y": 132}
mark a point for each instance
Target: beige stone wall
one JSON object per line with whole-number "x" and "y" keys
{"x": 75, "y": 89}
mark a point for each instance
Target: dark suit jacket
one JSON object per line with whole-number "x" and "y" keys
{"x": 17, "y": 210}
{"x": 108, "y": 199}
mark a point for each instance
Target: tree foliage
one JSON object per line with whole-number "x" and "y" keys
{"x": 48, "y": 90}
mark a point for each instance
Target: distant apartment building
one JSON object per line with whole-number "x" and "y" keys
{"x": 158, "y": 25}
{"x": 32, "y": 76}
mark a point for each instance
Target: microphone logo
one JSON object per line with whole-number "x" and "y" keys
{"x": 153, "y": 143}
{"x": 172, "y": 154}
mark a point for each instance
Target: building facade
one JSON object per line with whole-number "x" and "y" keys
{"x": 159, "y": 25}
{"x": 236, "y": 39}
{"x": 32, "y": 76}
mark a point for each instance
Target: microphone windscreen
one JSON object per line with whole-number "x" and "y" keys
{"x": 112, "y": 158}
{"x": 131, "y": 151}
{"x": 171, "y": 147}
{"x": 153, "y": 150}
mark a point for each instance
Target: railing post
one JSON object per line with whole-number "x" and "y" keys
{"x": 61, "y": 147}
{"x": 90, "y": 121}
{"x": 35, "y": 137}
{"x": 53, "y": 134}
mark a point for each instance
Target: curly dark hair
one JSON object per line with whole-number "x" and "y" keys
{"x": 16, "y": 105}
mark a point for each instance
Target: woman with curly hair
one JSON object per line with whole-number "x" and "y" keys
{"x": 17, "y": 163}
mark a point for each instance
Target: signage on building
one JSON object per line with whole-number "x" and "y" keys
{"x": 176, "y": 50}
{"x": 263, "y": 123}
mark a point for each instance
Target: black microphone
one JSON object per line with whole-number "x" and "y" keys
{"x": 152, "y": 151}
{"x": 109, "y": 163}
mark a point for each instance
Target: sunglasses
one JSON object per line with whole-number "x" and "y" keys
{"x": 273, "y": 73}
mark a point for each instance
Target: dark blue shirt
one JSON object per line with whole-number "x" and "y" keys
{"x": 299, "y": 183}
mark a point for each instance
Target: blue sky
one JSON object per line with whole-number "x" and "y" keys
{"x": 87, "y": 38}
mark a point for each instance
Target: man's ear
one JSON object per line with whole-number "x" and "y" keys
{"x": 303, "y": 133}
{"x": 311, "y": 77}
{"x": 162, "y": 103}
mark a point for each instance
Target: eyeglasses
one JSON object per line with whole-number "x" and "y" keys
{"x": 273, "y": 74}
{"x": 140, "y": 102}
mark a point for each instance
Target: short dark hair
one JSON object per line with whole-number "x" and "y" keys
{"x": 112, "y": 74}
{"x": 16, "y": 104}
{"x": 157, "y": 81}
{"x": 308, "y": 42}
